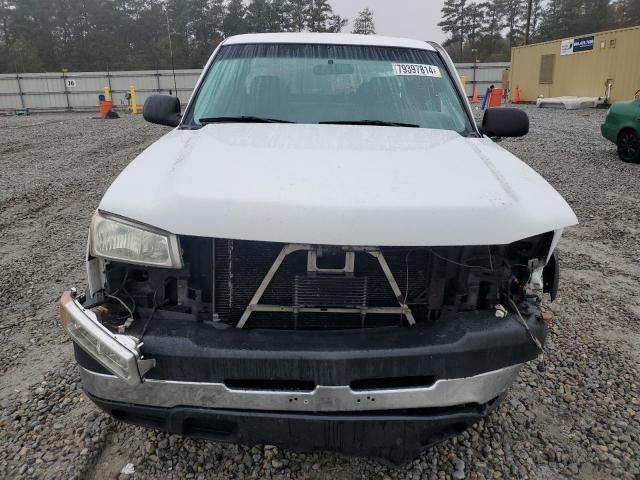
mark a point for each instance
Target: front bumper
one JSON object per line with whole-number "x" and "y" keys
{"x": 478, "y": 390}
{"x": 397, "y": 436}
{"x": 357, "y": 401}
{"x": 465, "y": 345}
{"x": 442, "y": 356}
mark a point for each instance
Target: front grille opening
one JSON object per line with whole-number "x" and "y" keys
{"x": 209, "y": 428}
{"x": 431, "y": 285}
{"x": 271, "y": 385}
{"x": 220, "y": 277}
{"x": 393, "y": 383}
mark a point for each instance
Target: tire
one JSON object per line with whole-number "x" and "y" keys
{"x": 629, "y": 145}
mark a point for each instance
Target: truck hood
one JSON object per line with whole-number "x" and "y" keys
{"x": 336, "y": 185}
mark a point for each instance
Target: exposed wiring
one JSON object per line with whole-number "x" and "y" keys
{"x": 133, "y": 301}
{"x": 462, "y": 264}
{"x": 153, "y": 311}
{"x": 113, "y": 297}
{"x": 518, "y": 265}
{"x": 406, "y": 261}
{"x": 510, "y": 265}
{"x": 122, "y": 284}
{"x": 110, "y": 295}
{"x": 526, "y": 326}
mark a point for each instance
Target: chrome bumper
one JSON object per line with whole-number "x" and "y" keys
{"x": 478, "y": 389}
{"x": 117, "y": 353}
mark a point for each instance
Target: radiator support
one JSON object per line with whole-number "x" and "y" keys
{"x": 255, "y": 306}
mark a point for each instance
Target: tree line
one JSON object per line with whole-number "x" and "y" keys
{"x": 486, "y": 30}
{"x": 50, "y": 35}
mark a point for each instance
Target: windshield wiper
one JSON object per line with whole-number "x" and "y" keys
{"x": 381, "y": 123}
{"x": 241, "y": 119}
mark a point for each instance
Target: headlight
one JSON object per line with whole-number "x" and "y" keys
{"x": 117, "y": 353}
{"x": 125, "y": 241}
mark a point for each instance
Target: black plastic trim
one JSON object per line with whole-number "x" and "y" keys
{"x": 551, "y": 277}
{"x": 461, "y": 346}
{"x": 396, "y": 436}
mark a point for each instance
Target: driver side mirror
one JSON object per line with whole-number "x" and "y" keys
{"x": 504, "y": 122}
{"x": 163, "y": 110}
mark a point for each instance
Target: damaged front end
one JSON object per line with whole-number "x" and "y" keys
{"x": 367, "y": 350}
{"x": 140, "y": 277}
{"x": 119, "y": 354}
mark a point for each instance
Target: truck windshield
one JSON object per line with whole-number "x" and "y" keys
{"x": 308, "y": 83}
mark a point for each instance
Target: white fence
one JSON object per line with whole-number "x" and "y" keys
{"x": 485, "y": 75}
{"x": 74, "y": 91}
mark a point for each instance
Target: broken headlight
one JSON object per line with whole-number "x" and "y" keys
{"x": 115, "y": 238}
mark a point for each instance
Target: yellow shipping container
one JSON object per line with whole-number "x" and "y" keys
{"x": 596, "y": 65}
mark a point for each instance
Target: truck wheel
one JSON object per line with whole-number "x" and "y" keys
{"x": 629, "y": 145}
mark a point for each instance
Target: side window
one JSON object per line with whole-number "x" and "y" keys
{"x": 547, "y": 63}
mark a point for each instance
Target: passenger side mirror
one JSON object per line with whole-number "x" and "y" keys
{"x": 163, "y": 110}
{"x": 504, "y": 122}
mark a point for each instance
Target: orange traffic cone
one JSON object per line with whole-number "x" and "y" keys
{"x": 516, "y": 95}
{"x": 475, "y": 95}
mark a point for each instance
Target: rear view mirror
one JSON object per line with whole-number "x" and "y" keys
{"x": 333, "y": 69}
{"x": 163, "y": 110}
{"x": 505, "y": 122}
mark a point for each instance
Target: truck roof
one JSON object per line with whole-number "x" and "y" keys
{"x": 328, "y": 39}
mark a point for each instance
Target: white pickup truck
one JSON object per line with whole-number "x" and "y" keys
{"x": 325, "y": 253}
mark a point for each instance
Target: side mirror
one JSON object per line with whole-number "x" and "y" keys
{"x": 504, "y": 122}
{"x": 162, "y": 109}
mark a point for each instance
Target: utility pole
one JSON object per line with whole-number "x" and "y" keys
{"x": 528, "y": 29}
{"x": 462, "y": 29}
{"x": 173, "y": 65}
{"x": 474, "y": 52}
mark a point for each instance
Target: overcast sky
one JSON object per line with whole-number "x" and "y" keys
{"x": 401, "y": 18}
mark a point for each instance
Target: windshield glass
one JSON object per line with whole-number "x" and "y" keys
{"x": 329, "y": 84}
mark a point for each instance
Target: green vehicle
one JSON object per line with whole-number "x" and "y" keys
{"x": 622, "y": 126}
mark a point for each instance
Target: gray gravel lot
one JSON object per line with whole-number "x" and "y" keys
{"x": 579, "y": 419}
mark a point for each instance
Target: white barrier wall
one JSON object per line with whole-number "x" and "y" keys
{"x": 486, "y": 74}
{"x": 74, "y": 91}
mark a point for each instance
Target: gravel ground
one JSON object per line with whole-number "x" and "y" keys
{"x": 578, "y": 419}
